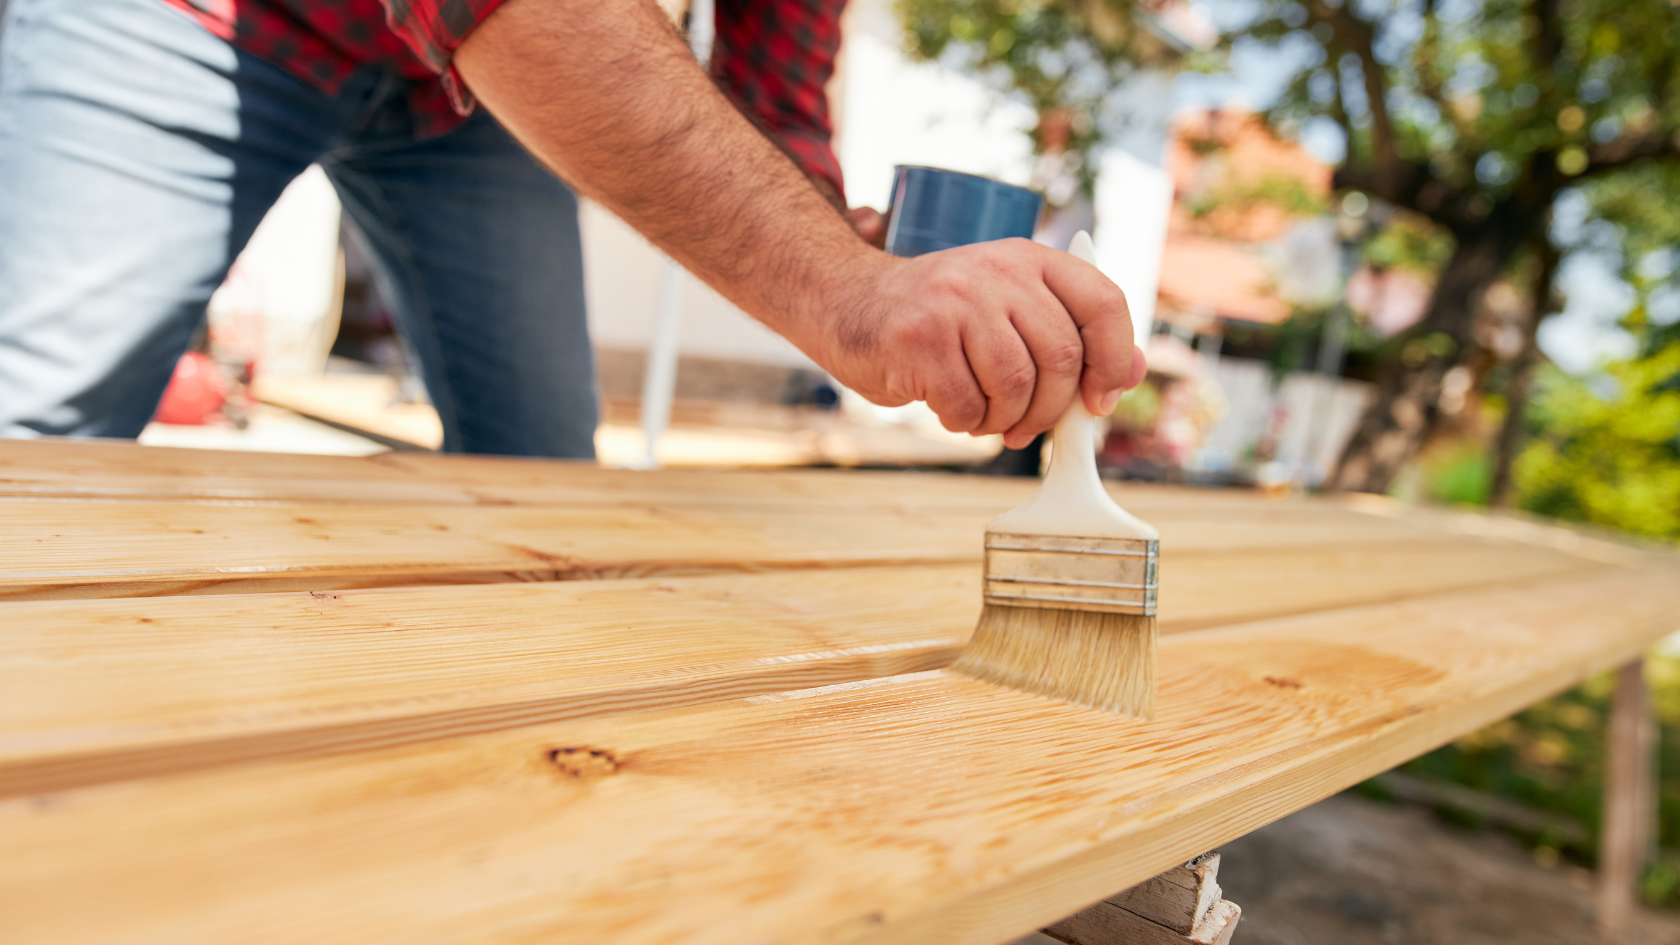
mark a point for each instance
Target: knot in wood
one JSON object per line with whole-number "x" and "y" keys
{"x": 584, "y": 763}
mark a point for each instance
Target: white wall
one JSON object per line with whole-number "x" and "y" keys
{"x": 894, "y": 111}
{"x": 623, "y": 278}
{"x": 1251, "y": 401}
{"x": 287, "y": 281}
{"x": 1134, "y": 201}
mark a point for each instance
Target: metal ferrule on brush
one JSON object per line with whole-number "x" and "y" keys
{"x": 1106, "y": 575}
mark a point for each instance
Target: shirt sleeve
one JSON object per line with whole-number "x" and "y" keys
{"x": 433, "y": 29}
{"x": 774, "y": 57}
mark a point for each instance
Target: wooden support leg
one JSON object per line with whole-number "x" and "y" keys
{"x": 1179, "y": 907}
{"x": 1629, "y": 796}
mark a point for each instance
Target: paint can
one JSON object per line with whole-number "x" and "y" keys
{"x": 934, "y": 209}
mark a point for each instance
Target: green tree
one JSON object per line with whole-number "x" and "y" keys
{"x": 1613, "y": 461}
{"x": 1607, "y": 451}
{"x": 1475, "y": 115}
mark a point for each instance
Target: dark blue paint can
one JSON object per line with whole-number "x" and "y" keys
{"x": 934, "y": 209}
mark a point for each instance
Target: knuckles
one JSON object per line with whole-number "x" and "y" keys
{"x": 1061, "y": 358}
{"x": 962, "y": 413}
{"x": 1015, "y": 382}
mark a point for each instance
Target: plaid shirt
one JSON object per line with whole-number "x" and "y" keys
{"x": 772, "y": 56}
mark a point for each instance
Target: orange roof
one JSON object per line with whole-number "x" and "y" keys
{"x": 1230, "y": 162}
{"x": 1220, "y": 277}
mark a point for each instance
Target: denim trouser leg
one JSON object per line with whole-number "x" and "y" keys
{"x": 137, "y": 154}
{"x": 477, "y": 246}
{"x": 124, "y": 191}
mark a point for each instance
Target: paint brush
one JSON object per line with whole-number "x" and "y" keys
{"x": 1070, "y": 582}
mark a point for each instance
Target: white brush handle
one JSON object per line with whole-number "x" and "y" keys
{"x": 1072, "y": 502}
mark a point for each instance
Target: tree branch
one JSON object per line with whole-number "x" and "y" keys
{"x": 1415, "y": 189}
{"x": 1359, "y": 37}
{"x": 1547, "y": 43}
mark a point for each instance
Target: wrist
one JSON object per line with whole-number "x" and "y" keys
{"x": 827, "y": 317}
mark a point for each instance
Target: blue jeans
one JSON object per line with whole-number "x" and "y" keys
{"x": 138, "y": 152}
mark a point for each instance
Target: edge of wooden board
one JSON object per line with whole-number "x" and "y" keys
{"x": 904, "y": 810}
{"x": 254, "y": 655}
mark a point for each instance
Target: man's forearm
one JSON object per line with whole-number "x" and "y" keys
{"x": 607, "y": 94}
{"x": 996, "y": 338}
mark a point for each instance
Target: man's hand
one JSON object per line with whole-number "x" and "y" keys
{"x": 998, "y": 337}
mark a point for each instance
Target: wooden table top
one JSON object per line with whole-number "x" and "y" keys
{"x": 417, "y": 698}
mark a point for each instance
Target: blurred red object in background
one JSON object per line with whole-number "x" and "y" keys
{"x": 196, "y": 392}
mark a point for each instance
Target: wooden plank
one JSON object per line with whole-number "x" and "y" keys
{"x": 1214, "y": 588}
{"x": 289, "y": 674}
{"x": 118, "y": 469}
{"x": 1586, "y": 541}
{"x": 41, "y": 468}
{"x": 1108, "y": 924}
{"x": 1629, "y": 829}
{"x": 93, "y": 689}
{"x": 1179, "y": 906}
{"x": 122, "y": 469}
{"x": 70, "y": 549}
{"x": 57, "y": 549}
{"x": 915, "y": 808}
{"x": 1177, "y": 898}
{"x": 366, "y": 404}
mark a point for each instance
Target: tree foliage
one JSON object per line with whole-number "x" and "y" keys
{"x": 1606, "y": 450}
{"x": 1474, "y": 115}
{"x": 1451, "y": 109}
{"x": 1614, "y": 460}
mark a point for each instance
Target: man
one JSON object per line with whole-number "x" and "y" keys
{"x": 139, "y": 148}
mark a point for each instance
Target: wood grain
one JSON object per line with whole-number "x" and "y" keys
{"x": 61, "y": 548}
{"x": 914, "y": 808}
{"x": 119, "y": 469}
{"x": 48, "y": 468}
{"x": 102, "y": 690}
{"x": 1177, "y": 898}
{"x": 329, "y": 671}
{"x": 68, "y": 549}
{"x": 114, "y": 469}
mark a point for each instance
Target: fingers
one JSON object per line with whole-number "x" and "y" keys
{"x": 1004, "y": 371}
{"x": 941, "y": 371}
{"x": 1098, "y": 308}
{"x": 956, "y": 398}
{"x": 1058, "y": 356}
{"x": 1140, "y": 367}
{"x": 999, "y": 338}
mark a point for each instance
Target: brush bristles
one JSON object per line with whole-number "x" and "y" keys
{"x": 1098, "y": 660}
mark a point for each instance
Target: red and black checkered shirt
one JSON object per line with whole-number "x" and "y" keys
{"x": 772, "y": 56}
